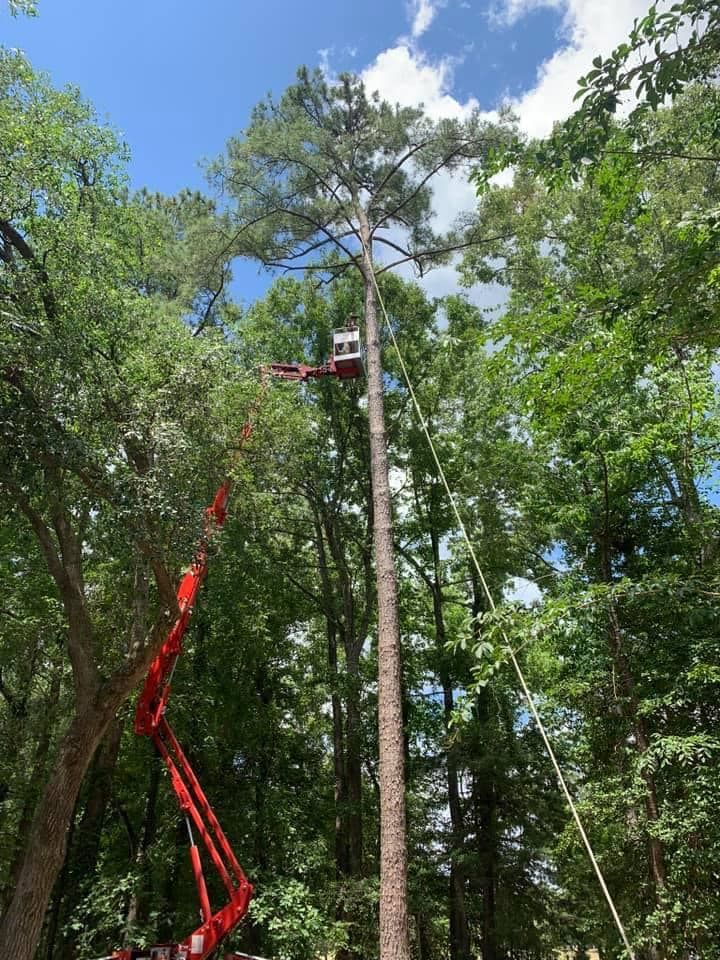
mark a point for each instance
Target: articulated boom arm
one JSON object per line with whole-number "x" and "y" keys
{"x": 299, "y": 371}
{"x": 150, "y": 720}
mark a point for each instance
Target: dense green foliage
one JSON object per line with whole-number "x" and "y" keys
{"x": 579, "y": 428}
{"x": 608, "y": 360}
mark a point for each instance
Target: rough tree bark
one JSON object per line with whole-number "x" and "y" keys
{"x": 485, "y": 805}
{"x": 58, "y": 899}
{"x": 84, "y": 850}
{"x": 37, "y": 777}
{"x": 459, "y": 931}
{"x": 96, "y": 705}
{"x": 45, "y": 853}
{"x": 394, "y": 938}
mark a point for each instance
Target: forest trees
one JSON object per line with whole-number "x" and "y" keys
{"x": 101, "y": 386}
{"x": 609, "y": 364}
{"x": 579, "y": 428}
{"x": 328, "y": 172}
{"x": 326, "y": 470}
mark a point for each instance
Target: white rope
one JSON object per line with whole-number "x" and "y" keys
{"x": 491, "y": 602}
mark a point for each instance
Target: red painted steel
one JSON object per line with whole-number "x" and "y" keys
{"x": 300, "y": 371}
{"x": 205, "y": 907}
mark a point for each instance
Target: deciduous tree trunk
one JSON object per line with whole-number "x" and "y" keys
{"x": 630, "y": 706}
{"x": 40, "y": 760}
{"x": 45, "y": 853}
{"x": 137, "y": 911}
{"x": 352, "y": 645}
{"x": 331, "y": 629}
{"x": 485, "y": 806}
{"x": 394, "y": 940}
{"x": 353, "y": 763}
{"x": 98, "y": 799}
{"x": 84, "y": 850}
{"x": 484, "y": 800}
{"x": 459, "y": 932}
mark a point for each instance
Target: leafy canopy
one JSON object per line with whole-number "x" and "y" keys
{"x": 666, "y": 52}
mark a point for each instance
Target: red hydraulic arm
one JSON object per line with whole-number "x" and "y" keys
{"x": 150, "y": 721}
{"x": 299, "y": 371}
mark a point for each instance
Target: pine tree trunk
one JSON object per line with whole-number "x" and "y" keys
{"x": 394, "y": 940}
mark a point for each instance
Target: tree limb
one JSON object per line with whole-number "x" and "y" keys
{"x": 438, "y": 251}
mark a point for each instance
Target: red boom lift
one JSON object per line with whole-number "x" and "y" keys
{"x": 150, "y": 720}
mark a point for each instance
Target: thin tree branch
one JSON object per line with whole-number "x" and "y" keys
{"x": 428, "y": 176}
{"x": 206, "y": 314}
{"x": 16, "y": 240}
{"x": 438, "y": 251}
{"x": 80, "y": 629}
{"x": 397, "y": 167}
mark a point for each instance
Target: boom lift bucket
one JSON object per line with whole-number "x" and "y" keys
{"x": 347, "y": 357}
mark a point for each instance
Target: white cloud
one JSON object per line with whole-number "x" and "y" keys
{"x": 440, "y": 281}
{"x": 589, "y": 28}
{"x": 452, "y": 195}
{"x": 406, "y": 76}
{"x": 507, "y": 13}
{"x": 422, "y": 13}
{"x": 325, "y": 54}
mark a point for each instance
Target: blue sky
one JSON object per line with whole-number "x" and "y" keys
{"x": 178, "y": 77}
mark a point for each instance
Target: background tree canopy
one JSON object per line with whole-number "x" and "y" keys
{"x": 579, "y": 429}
